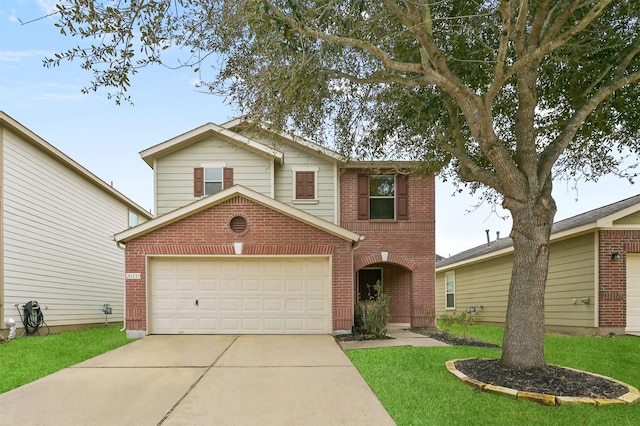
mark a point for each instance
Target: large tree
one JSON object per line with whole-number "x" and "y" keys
{"x": 503, "y": 94}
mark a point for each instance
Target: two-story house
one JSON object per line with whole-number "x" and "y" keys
{"x": 265, "y": 233}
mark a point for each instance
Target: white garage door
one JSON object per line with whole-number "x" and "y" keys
{"x": 240, "y": 295}
{"x": 633, "y": 293}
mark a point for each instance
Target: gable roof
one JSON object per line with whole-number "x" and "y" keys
{"x": 203, "y": 132}
{"x": 227, "y": 194}
{"x": 302, "y": 143}
{"x": 30, "y": 137}
{"x": 602, "y": 217}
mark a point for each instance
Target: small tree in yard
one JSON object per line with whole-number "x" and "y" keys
{"x": 503, "y": 94}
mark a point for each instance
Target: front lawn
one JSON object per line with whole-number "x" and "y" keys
{"x": 416, "y": 389}
{"x": 26, "y": 359}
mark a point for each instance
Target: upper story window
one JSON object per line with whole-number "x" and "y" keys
{"x": 209, "y": 180}
{"x": 133, "y": 219}
{"x": 305, "y": 188}
{"x": 212, "y": 180}
{"x": 382, "y": 197}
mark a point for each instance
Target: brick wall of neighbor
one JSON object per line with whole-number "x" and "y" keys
{"x": 410, "y": 244}
{"x": 267, "y": 233}
{"x": 612, "y": 300}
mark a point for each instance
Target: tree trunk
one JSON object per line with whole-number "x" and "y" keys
{"x": 523, "y": 342}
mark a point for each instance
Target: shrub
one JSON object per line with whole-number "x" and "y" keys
{"x": 372, "y": 316}
{"x": 464, "y": 319}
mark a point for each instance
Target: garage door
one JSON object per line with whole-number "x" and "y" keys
{"x": 240, "y": 295}
{"x": 633, "y": 293}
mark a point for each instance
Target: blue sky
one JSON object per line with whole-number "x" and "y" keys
{"x": 106, "y": 138}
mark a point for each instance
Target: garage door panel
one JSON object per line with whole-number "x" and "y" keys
{"x": 271, "y": 285}
{"x": 240, "y": 295}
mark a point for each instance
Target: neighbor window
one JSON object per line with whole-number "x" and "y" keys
{"x": 450, "y": 290}
{"x": 383, "y": 197}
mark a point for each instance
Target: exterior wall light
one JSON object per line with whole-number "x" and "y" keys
{"x": 615, "y": 256}
{"x": 237, "y": 247}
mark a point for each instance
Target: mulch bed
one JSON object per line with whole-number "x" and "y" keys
{"x": 553, "y": 380}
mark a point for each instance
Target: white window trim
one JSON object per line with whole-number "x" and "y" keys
{"x": 294, "y": 200}
{"x": 446, "y": 275}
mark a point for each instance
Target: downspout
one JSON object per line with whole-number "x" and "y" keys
{"x": 124, "y": 298}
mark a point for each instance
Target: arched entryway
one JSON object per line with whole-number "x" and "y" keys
{"x": 396, "y": 283}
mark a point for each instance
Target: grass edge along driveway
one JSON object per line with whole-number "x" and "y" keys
{"x": 26, "y": 359}
{"x": 416, "y": 389}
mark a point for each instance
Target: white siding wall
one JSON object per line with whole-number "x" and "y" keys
{"x": 174, "y": 172}
{"x": 58, "y": 239}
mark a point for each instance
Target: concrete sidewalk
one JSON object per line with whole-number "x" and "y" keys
{"x": 203, "y": 380}
{"x": 400, "y": 336}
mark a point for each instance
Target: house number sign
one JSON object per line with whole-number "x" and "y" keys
{"x": 132, "y": 275}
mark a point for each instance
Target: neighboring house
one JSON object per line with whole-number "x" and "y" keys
{"x": 593, "y": 285}
{"x": 261, "y": 232}
{"x": 58, "y": 222}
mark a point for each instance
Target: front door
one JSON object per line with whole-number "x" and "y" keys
{"x": 367, "y": 279}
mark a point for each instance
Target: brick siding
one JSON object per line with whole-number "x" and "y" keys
{"x": 612, "y": 297}
{"x": 268, "y": 233}
{"x": 409, "y": 273}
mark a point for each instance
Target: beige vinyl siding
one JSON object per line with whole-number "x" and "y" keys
{"x": 284, "y": 182}
{"x": 174, "y": 172}
{"x": 484, "y": 284}
{"x": 299, "y": 158}
{"x": 571, "y": 276}
{"x": 58, "y": 239}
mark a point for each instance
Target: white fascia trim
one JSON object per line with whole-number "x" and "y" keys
{"x": 179, "y": 141}
{"x": 227, "y": 194}
{"x": 607, "y": 222}
{"x": 292, "y": 138}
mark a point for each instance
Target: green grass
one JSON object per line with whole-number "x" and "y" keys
{"x": 26, "y": 359}
{"x": 416, "y": 389}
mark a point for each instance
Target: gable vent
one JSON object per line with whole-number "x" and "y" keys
{"x": 238, "y": 224}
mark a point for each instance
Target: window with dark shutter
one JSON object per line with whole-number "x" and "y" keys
{"x": 363, "y": 197}
{"x": 402, "y": 197}
{"x": 227, "y": 177}
{"x": 198, "y": 182}
{"x": 305, "y": 185}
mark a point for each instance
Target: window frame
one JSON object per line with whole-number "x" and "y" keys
{"x": 448, "y": 293}
{"x": 205, "y": 181}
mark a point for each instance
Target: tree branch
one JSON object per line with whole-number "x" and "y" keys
{"x": 553, "y": 151}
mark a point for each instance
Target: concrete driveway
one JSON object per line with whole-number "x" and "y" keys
{"x": 203, "y": 380}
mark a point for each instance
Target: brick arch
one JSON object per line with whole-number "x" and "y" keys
{"x": 377, "y": 258}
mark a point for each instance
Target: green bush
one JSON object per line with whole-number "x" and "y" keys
{"x": 372, "y": 316}
{"x": 464, "y": 319}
